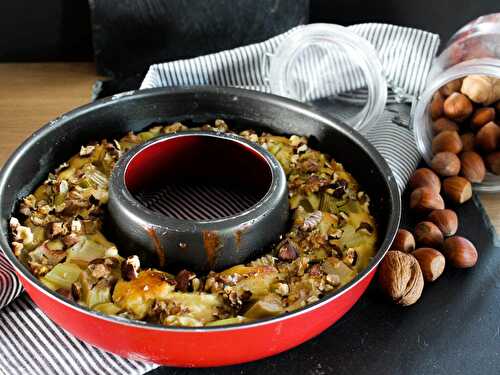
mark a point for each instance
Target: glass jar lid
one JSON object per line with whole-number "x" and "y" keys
{"x": 333, "y": 67}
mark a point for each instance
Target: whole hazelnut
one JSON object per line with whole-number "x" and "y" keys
{"x": 425, "y": 177}
{"x": 431, "y": 262}
{"x": 460, "y": 252}
{"x": 481, "y": 117}
{"x": 446, "y": 220}
{"x": 400, "y": 277}
{"x": 446, "y": 164}
{"x": 447, "y": 140}
{"x": 487, "y": 137}
{"x": 404, "y": 241}
{"x": 436, "y": 107}
{"x": 493, "y": 162}
{"x": 425, "y": 199}
{"x": 428, "y": 234}
{"x": 457, "y": 107}
{"x": 442, "y": 124}
{"x": 468, "y": 141}
{"x": 451, "y": 87}
{"x": 472, "y": 166}
{"x": 457, "y": 189}
{"x": 480, "y": 88}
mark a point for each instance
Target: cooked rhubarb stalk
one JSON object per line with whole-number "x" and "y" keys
{"x": 63, "y": 275}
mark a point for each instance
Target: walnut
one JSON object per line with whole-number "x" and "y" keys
{"x": 401, "y": 278}
{"x": 98, "y": 269}
{"x": 56, "y": 229}
{"x": 312, "y": 221}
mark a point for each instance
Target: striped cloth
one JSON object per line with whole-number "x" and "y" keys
{"x": 406, "y": 55}
{"x": 10, "y": 287}
{"x": 31, "y": 344}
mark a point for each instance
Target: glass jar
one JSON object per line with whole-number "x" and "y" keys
{"x": 472, "y": 50}
{"x": 328, "y": 62}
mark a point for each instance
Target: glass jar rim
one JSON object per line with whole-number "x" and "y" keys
{"x": 366, "y": 58}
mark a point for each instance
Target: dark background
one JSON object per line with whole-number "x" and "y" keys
{"x": 60, "y": 30}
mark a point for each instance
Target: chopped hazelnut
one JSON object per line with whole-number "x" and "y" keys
{"x": 288, "y": 251}
{"x": 183, "y": 280}
{"x": 130, "y": 268}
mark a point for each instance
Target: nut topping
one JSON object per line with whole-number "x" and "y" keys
{"x": 87, "y": 150}
{"x": 130, "y": 268}
{"x": 311, "y": 221}
{"x": 288, "y": 251}
{"x": 365, "y": 227}
{"x": 183, "y": 280}
{"x": 330, "y": 217}
{"x": 315, "y": 270}
{"x": 98, "y": 269}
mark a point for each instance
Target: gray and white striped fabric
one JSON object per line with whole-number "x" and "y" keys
{"x": 406, "y": 55}
{"x": 10, "y": 287}
{"x": 32, "y": 344}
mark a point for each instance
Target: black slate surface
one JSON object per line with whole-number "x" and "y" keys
{"x": 453, "y": 329}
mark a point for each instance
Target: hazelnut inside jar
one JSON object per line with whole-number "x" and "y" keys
{"x": 460, "y": 114}
{"x": 462, "y": 98}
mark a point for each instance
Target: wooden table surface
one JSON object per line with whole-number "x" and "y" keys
{"x": 33, "y": 94}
